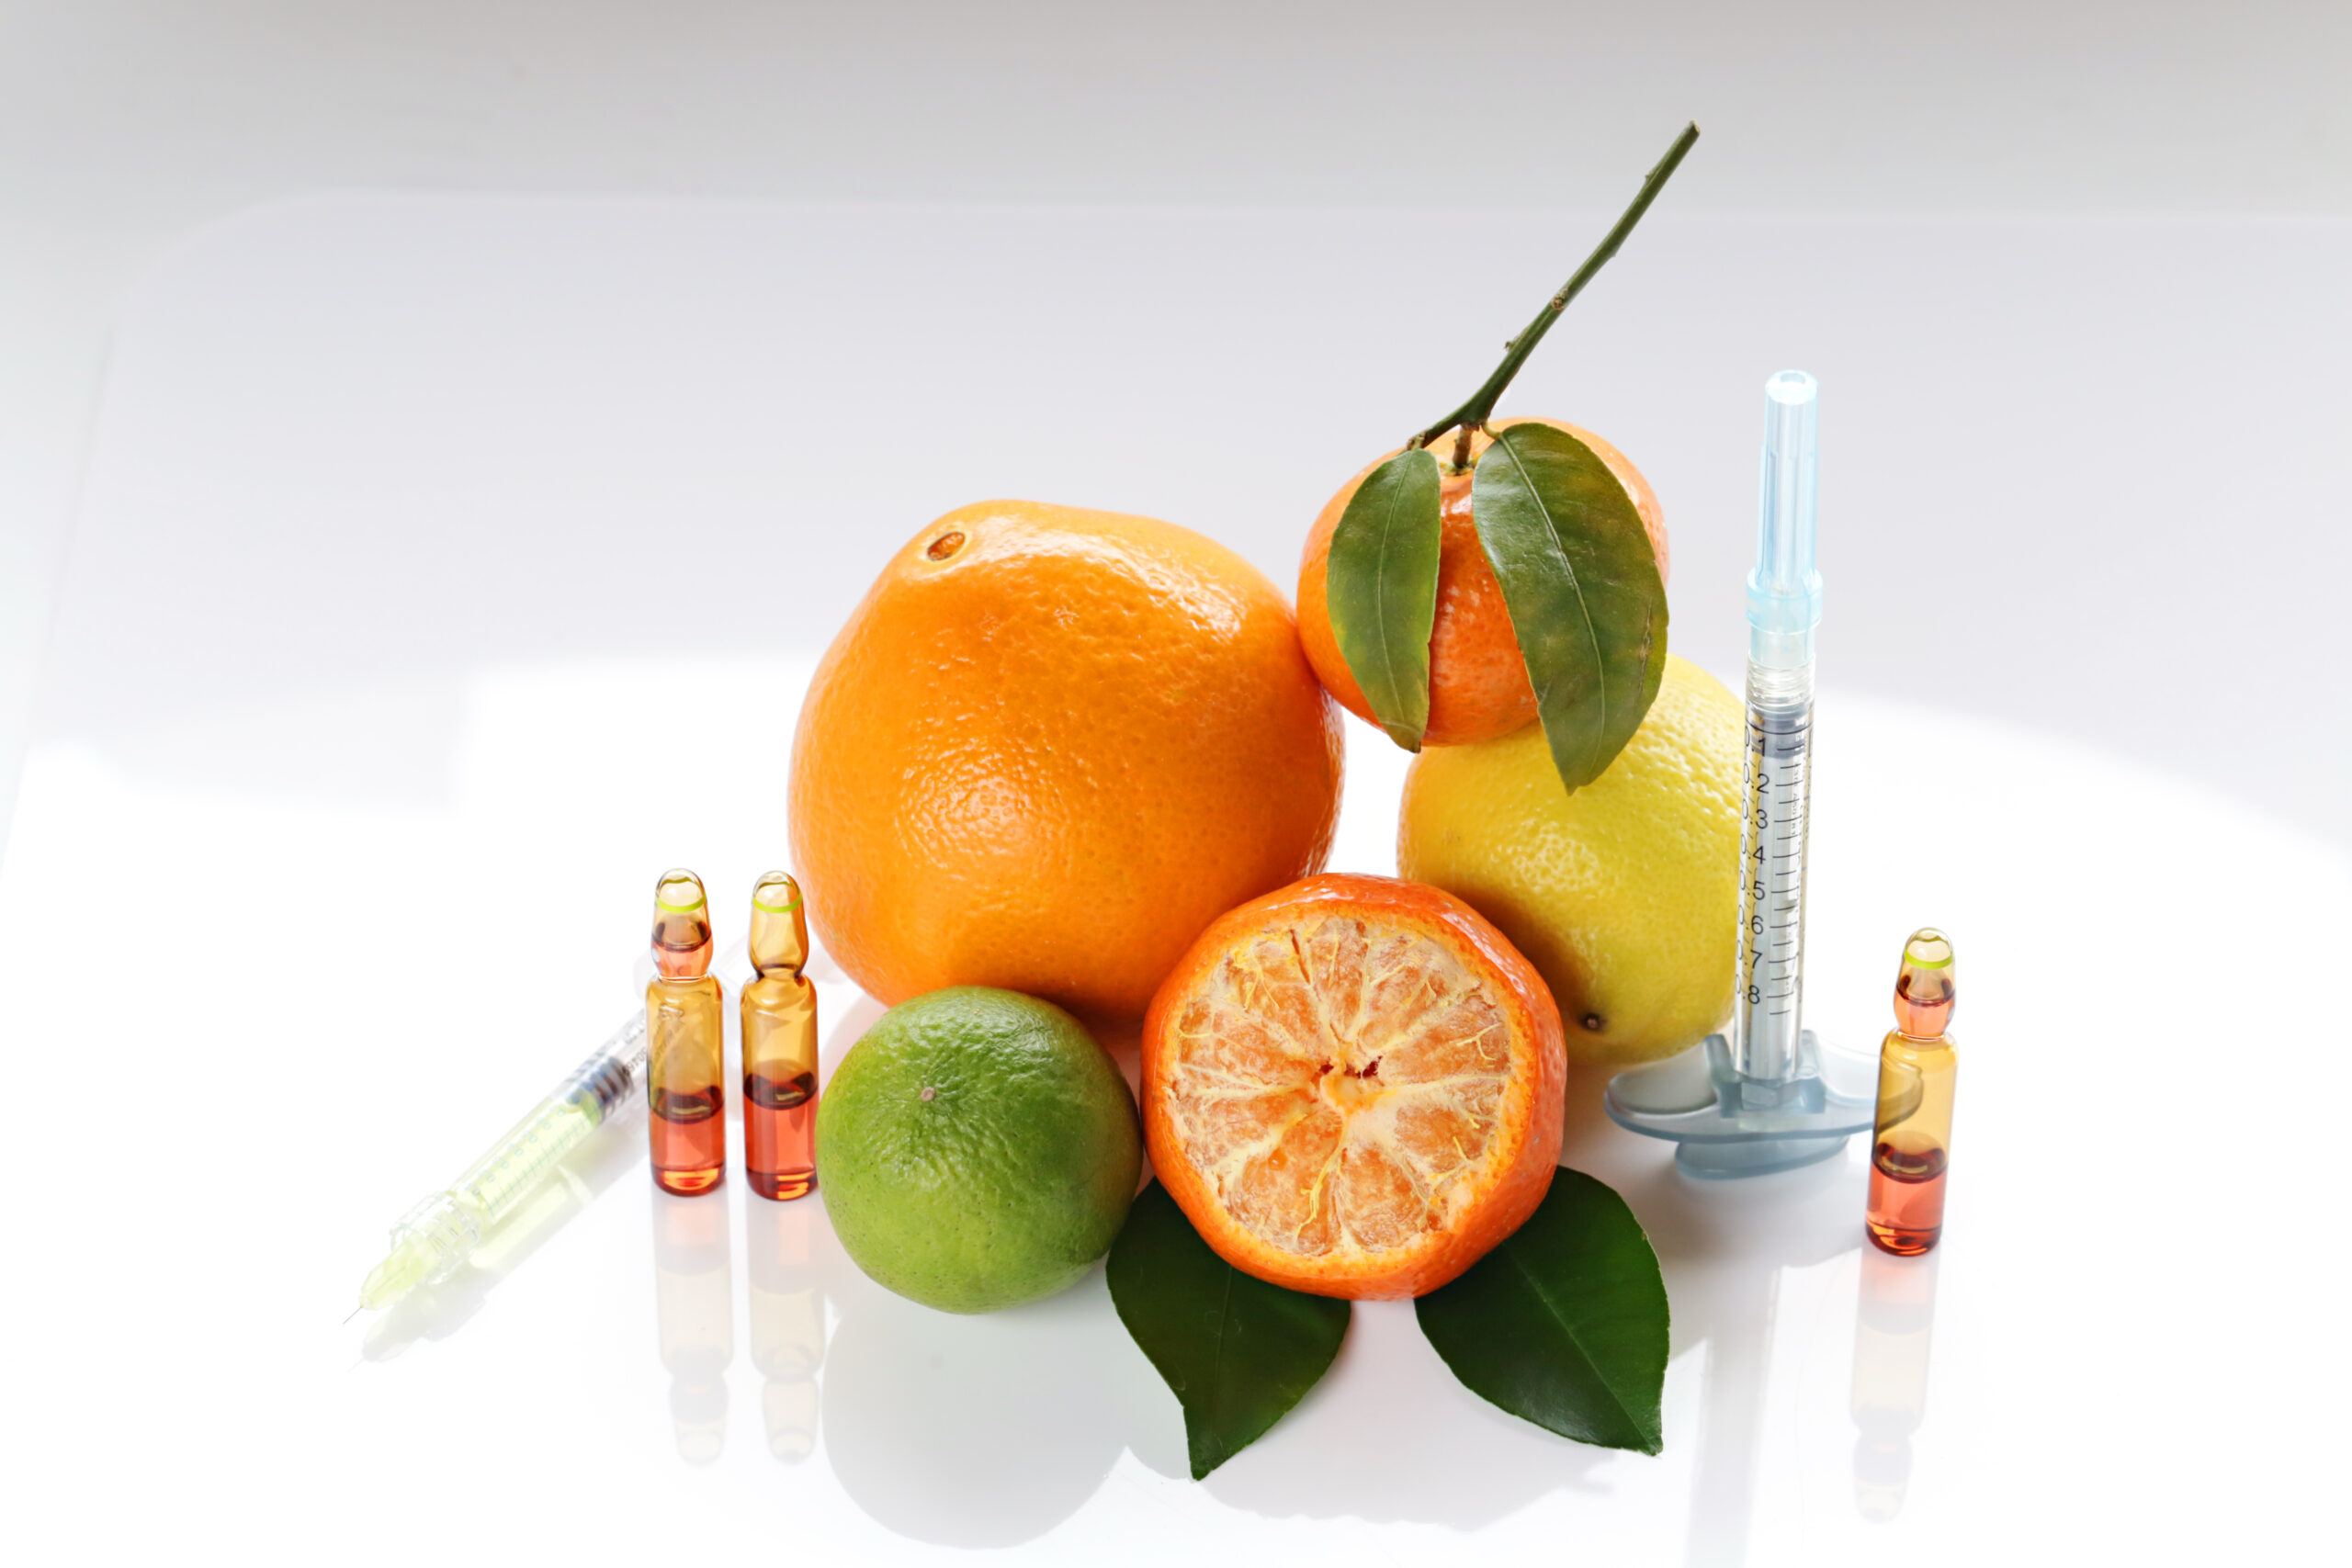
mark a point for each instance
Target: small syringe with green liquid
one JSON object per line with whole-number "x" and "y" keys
{"x": 436, "y": 1237}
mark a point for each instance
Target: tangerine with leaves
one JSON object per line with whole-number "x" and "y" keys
{"x": 1352, "y": 1086}
{"x": 1520, "y": 577}
{"x": 1479, "y": 688}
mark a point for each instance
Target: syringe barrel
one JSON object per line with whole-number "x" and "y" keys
{"x": 556, "y": 1126}
{"x": 1783, "y": 608}
{"x": 1780, "y": 689}
{"x": 444, "y": 1222}
{"x": 517, "y": 1162}
{"x": 1768, "y": 1011}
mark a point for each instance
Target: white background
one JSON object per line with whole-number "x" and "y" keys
{"x": 2124, "y": 446}
{"x": 399, "y": 508}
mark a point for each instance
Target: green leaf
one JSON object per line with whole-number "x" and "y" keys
{"x": 1580, "y": 579}
{"x": 1565, "y": 1324}
{"x": 1237, "y": 1351}
{"x": 1381, "y": 584}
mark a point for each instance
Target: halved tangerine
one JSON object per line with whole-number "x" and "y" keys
{"x": 1351, "y": 1087}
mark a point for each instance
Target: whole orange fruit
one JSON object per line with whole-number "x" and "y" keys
{"x": 1048, "y": 747}
{"x": 1352, "y": 1086}
{"x": 1478, "y": 686}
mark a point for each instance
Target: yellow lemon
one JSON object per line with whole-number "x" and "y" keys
{"x": 1623, "y": 895}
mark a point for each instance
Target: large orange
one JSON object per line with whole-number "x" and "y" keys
{"x": 1047, "y": 748}
{"x": 1352, "y": 1086}
{"x": 1478, "y": 686}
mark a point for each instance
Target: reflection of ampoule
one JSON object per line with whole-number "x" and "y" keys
{"x": 1894, "y": 1322}
{"x": 779, "y": 1013}
{"x": 787, "y": 1325}
{"x": 693, "y": 1305}
{"x": 685, "y": 1042}
{"x": 1911, "y": 1149}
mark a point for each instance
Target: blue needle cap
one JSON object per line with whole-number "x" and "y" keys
{"x": 1784, "y": 591}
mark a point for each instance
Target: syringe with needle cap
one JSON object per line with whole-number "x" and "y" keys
{"x": 436, "y": 1237}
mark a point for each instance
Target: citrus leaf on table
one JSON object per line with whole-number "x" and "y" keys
{"x": 1564, "y": 1323}
{"x": 1381, "y": 584}
{"x": 1237, "y": 1352}
{"x": 1579, "y": 577}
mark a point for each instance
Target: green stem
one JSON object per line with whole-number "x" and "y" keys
{"x": 1481, "y": 402}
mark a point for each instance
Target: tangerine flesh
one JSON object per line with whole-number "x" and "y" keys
{"x": 1352, "y": 1086}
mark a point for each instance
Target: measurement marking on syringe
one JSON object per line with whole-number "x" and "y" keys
{"x": 1779, "y": 794}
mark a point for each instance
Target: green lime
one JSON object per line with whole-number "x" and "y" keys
{"x": 976, "y": 1150}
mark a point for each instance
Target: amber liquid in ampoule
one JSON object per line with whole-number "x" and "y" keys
{"x": 779, "y": 1016}
{"x": 779, "y": 1133}
{"x": 1911, "y": 1147}
{"x": 685, "y": 1044}
{"x": 689, "y": 1140}
{"x": 1906, "y": 1208}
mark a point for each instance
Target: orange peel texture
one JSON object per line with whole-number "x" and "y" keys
{"x": 1047, "y": 748}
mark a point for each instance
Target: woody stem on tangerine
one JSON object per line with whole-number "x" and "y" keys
{"x": 1481, "y": 404}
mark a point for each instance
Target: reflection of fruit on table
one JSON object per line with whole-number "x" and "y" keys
{"x": 976, "y": 1431}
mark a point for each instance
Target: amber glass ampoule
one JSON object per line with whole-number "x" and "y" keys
{"x": 779, "y": 1012}
{"x": 1911, "y": 1149}
{"x": 686, "y": 1042}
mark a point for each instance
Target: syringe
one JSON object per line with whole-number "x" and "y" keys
{"x": 1783, "y": 608}
{"x": 1764, "y": 1096}
{"x": 433, "y": 1239}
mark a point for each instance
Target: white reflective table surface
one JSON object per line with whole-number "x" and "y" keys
{"x": 333, "y": 855}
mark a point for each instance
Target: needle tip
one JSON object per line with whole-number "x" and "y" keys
{"x": 357, "y": 1311}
